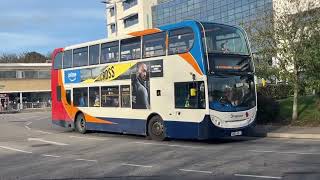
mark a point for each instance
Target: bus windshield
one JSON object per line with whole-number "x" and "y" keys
{"x": 231, "y": 93}
{"x": 225, "y": 39}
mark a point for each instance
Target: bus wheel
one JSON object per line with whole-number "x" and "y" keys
{"x": 156, "y": 129}
{"x": 81, "y": 124}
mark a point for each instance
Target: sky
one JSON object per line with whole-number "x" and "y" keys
{"x": 43, "y": 25}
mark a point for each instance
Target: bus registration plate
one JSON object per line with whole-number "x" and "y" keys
{"x": 236, "y": 133}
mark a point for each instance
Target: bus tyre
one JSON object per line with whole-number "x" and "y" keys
{"x": 81, "y": 124}
{"x": 156, "y": 129}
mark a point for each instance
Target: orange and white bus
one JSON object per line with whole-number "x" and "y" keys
{"x": 189, "y": 80}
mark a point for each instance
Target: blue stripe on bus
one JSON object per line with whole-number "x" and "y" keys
{"x": 174, "y": 129}
{"x": 198, "y": 55}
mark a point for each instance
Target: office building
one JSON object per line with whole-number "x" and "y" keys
{"x": 125, "y": 16}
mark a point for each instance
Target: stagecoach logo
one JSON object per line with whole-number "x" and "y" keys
{"x": 236, "y": 116}
{"x": 72, "y": 76}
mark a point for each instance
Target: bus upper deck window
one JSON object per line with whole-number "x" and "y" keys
{"x": 180, "y": 40}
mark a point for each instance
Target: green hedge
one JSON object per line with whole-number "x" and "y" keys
{"x": 268, "y": 109}
{"x": 276, "y": 91}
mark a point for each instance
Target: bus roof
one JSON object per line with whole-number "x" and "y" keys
{"x": 138, "y": 33}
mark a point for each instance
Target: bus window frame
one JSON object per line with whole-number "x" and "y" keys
{"x": 168, "y": 39}
{"x": 110, "y": 42}
{"x": 85, "y": 47}
{"x": 127, "y": 39}
{"x": 89, "y": 52}
{"x": 71, "y": 50}
{"x": 165, "y": 45}
{"x": 54, "y": 61}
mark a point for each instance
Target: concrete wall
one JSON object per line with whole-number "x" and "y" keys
{"x": 24, "y": 85}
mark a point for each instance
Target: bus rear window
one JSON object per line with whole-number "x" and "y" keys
{"x": 58, "y": 61}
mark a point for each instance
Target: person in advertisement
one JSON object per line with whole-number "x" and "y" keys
{"x": 140, "y": 87}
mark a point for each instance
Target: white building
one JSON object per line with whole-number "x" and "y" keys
{"x": 125, "y": 16}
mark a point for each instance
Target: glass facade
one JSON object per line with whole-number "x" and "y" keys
{"x": 234, "y": 12}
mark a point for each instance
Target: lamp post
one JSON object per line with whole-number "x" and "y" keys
{"x": 114, "y": 4}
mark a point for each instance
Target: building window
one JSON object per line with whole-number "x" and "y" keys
{"x": 31, "y": 74}
{"x": 80, "y": 97}
{"x": 44, "y": 75}
{"x": 125, "y": 96}
{"x": 67, "y": 59}
{"x": 8, "y": 74}
{"x": 130, "y": 48}
{"x": 80, "y": 57}
{"x": 112, "y": 11}
{"x": 94, "y": 96}
{"x": 110, "y": 52}
{"x": 129, "y": 3}
{"x": 154, "y": 45}
{"x": 110, "y": 96}
{"x": 94, "y": 54}
{"x": 113, "y": 28}
{"x": 180, "y": 40}
{"x": 58, "y": 61}
{"x": 189, "y": 95}
{"x": 132, "y": 20}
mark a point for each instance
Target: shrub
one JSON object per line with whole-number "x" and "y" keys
{"x": 268, "y": 109}
{"x": 276, "y": 91}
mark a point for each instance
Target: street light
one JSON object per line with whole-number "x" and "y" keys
{"x": 109, "y": 2}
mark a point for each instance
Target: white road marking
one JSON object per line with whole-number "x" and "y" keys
{"x": 44, "y": 132}
{"x": 27, "y": 127}
{"x": 191, "y": 170}
{"x": 91, "y": 138}
{"x": 50, "y": 142}
{"x": 14, "y": 149}
{"x": 28, "y": 123}
{"x": 49, "y": 155}
{"x": 44, "y": 118}
{"x": 89, "y": 160}
{"x": 28, "y": 117}
{"x": 284, "y": 152}
{"x": 256, "y": 176}
{"x": 170, "y": 145}
{"x": 136, "y": 165}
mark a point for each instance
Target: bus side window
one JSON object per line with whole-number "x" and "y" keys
{"x": 125, "y": 96}
{"x": 80, "y": 57}
{"x": 110, "y": 96}
{"x": 180, "y": 40}
{"x": 189, "y": 95}
{"x": 154, "y": 45}
{"x": 94, "y": 96}
{"x": 58, "y": 61}
{"x": 110, "y": 52}
{"x": 80, "y": 97}
{"x": 94, "y": 54}
{"x": 130, "y": 49}
{"x": 68, "y": 96}
{"x": 67, "y": 59}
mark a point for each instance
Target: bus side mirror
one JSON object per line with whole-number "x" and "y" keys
{"x": 193, "y": 92}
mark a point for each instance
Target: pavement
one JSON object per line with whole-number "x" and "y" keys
{"x": 286, "y": 132}
{"x": 32, "y": 148}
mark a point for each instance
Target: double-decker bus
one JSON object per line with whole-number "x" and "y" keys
{"x": 189, "y": 80}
